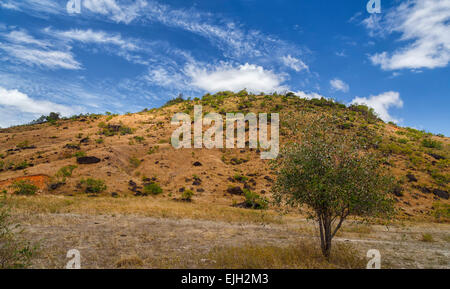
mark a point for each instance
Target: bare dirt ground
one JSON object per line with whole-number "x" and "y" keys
{"x": 107, "y": 240}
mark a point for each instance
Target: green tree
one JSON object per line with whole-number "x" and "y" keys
{"x": 334, "y": 176}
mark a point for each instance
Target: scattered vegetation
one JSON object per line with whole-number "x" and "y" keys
{"x": 14, "y": 252}
{"x": 187, "y": 195}
{"x": 427, "y": 238}
{"x": 430, "y": 143}
{"x": 92, "y": 186}
{"x": 255, "y": 201}
{"x": 441, "y": 211}
{"x": 114, "y": 129}
{"x": 24, "y": 188}
{"x": 135, "y": 162}
{"x": 153, "y": 189}
{"x": 65, "y": 172}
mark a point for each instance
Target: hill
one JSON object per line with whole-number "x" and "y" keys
{"x": 131, "y": 155}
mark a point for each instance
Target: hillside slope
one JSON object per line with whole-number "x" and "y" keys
{"x": 133, "y": 150}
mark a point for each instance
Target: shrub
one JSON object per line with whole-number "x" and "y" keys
{"x": 25, "y": 188}
{"x": 21, "y": 166}
{"x": 23, "y": 144}
{"x": 139, "y": 139}
{"x": 255, "y": 201}
{"x": 441, "y": 179}
{"x": 135, "y": 162}
{"x": 187, "y": 195}
{"x": 14, "y": 253}
{"x": 178, "y": 99}
{"x": 240, "y": 178}
{"x": 114, "y": 129}
{"x": 430, "y": 143}
{"x": 153, "y": 189}
{"x": 441, "y": 211}
{"x": 427, "y": 237}
{"x": 92, "y": 186}
{"x": 65, "y": 172}
{"x": 152, "y": 150}
{"x": 79, "y": 154}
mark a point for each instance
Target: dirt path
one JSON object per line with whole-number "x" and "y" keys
{"x": 103, "y": 240}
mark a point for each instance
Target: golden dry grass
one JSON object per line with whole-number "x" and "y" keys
{"x": 304, "y": 255}
{"x": 148, "y": 207}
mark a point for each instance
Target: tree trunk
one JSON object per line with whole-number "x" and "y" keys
{"x": 325, "y": 235}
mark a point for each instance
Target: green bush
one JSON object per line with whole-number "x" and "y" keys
{"x": 178, "y": 99}
{"x": 240, "y": 178}
{"x": 66, "y": 171}
{"x": 441, "y": 179}
{"x": 430, "y": 143}
{"x": 25, "y": 188}
{"x": 92, "y": 186}
{"x": 135, "y": 162}
{"x": 153, "y": 189}
{"x": 441, "y": 211}
{"x": 112, "y": 130}
{"x": 79, "y": 154}
{"x": 23, "y": 144}
{"x": 187, "y": 195}
{"x": 427, "y": 237}
{"x": 152, "y": 150}
{"x": 255, "y": 201}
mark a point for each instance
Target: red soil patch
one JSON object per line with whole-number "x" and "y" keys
{"x": 38, "y": 180}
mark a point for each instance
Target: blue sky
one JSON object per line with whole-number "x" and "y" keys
{"x": 123, "y": 56}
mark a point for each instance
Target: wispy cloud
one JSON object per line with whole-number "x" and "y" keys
{"x": 425, "y": 25}
{"x": 22, "y": 37}
{"x": 294, "y": 63}
{"x": 52, "y": 59}
{"x": 24, "y": 48}
{"x": 99, "y": 37}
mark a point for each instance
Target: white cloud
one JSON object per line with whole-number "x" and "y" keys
{"x": 99, "y": 37}
{"x": 34, "y": 6}
{"x": 339, "y": 85}
{"x": 24, "y": 48}
{"x": 118, "y": 13}
{"x": 22, "y": 37}
{"x": 14, "y": 102}
{"x": 227, "y": 77}
{"x": 52, "y": 59}
{"x": 9, "y": 5}
{"x": 381, "y": 103}
{"x": 294, "y": 63}
{"x": 167, "y": 78}
{"x": 425, "y": 24}
{"x": 307, "y": 95}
